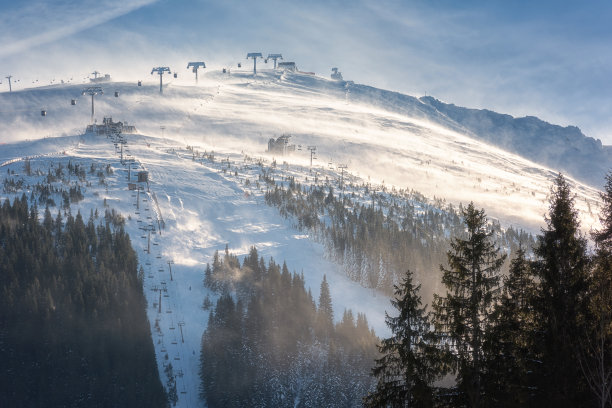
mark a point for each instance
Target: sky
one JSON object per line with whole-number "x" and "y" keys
{"x": 549, "y": 59}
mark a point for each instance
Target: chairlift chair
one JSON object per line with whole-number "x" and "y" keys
{"x": 175, "y": 75}
{"x": 239, "y": 65}
{"x": 139, "y": 83}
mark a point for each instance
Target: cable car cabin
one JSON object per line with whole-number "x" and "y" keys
{"x": 116, "y": 94}
{"x": 175, "y": 75}
{"x": 139, "y": 83}
{"x": 73, "y": 102}
{"x": 43, "y": 113}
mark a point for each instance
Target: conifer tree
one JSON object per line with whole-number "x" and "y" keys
{"x": 405, "y": 371}
{"x": 325, "y": 313}
{"x": 509, "y": 343}
{"x": 463, "y": 315}
{"x": 596, "y": 347}
{"x": 561, "y": 305}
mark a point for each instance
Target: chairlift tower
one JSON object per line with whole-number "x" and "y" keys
{"x": 342, "y": 167}
{"x": 254, "y": 55}
{"x": 160, "y": 71}
{"x": 92, "y": 90}
{"x": 274, "y": 57}
{"x": 9, "y": 78}
{"x": 95, "y": 74}
{"x": 170, "y": 263}
{"x": 180, "y": 325}
{"x": 313, "y": 150}
{"x": 195, "y": 66}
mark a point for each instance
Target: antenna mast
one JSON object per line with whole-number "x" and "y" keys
{"x": 254, "y": 55}
{"x": 160, "y": 71}
{"x": 195, "y": 66}
{"x": 92, "y": 90}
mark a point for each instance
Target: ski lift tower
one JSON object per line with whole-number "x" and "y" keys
{"x": 274, "y": 57}
{"x": 9, "y": 78}
{"x": 342, "y": 167}
{"x": 92, "y": 90}
{"x": 195, "y": 66}
{"x": 160, "y": 71}
{"x": 254, "y": 55}
{"x": 313, "y": 150}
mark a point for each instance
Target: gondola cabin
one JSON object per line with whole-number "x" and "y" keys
{"x": 43, "y": 113}
{"x": 73, "y": 102}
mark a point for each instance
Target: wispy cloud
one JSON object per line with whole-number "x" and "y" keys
{"x": 549, "y": 59}
{"x": 41, "y": 22}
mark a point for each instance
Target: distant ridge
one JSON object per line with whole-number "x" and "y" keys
{"x": 565, "y": 149}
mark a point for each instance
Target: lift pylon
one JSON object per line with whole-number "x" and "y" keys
{"x": 274, "y": 57}
{"x": 195, "y": 66}
{"x": 254, "y": 55}
{"x": 160, "y": 71}
{"x": 92, "y": 90}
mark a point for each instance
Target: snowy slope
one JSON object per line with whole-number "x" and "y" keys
{"x": 203, "y": 210}
{"x": 383, "y": 138}
{"x": 563, "y": 148}
{"x": 380, "y": 135}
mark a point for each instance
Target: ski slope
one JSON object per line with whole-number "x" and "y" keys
{"x": 203, "y": 210}
{"x": 384, "y": 138}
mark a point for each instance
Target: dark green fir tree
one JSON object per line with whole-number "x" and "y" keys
{"x": 463, "y": 316}
{"x": 406, "y": 369}
{"x": 596, "y": 347}
{"x": 562, "y": 268}
{"x": 509, "y": 343}
{"x": 325, "y": 312}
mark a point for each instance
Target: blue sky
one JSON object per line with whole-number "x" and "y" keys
{"x": 550, "y": 59}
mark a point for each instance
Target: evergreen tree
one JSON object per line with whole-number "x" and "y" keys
{"x": 73, "y": 324}
{"x": 596, "y": 348}
{"x": 405, "y": 371}
{"x": 509, "y": 343}
{"x": 325, "y": 313}
{"x": 562, "y": 268}
{"x": 463, "y": 316}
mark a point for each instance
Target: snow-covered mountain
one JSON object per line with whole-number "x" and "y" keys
{"x": 381, "y": 135}
{"x": 205, "y": 191}
{"x": 566, "y": 149}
